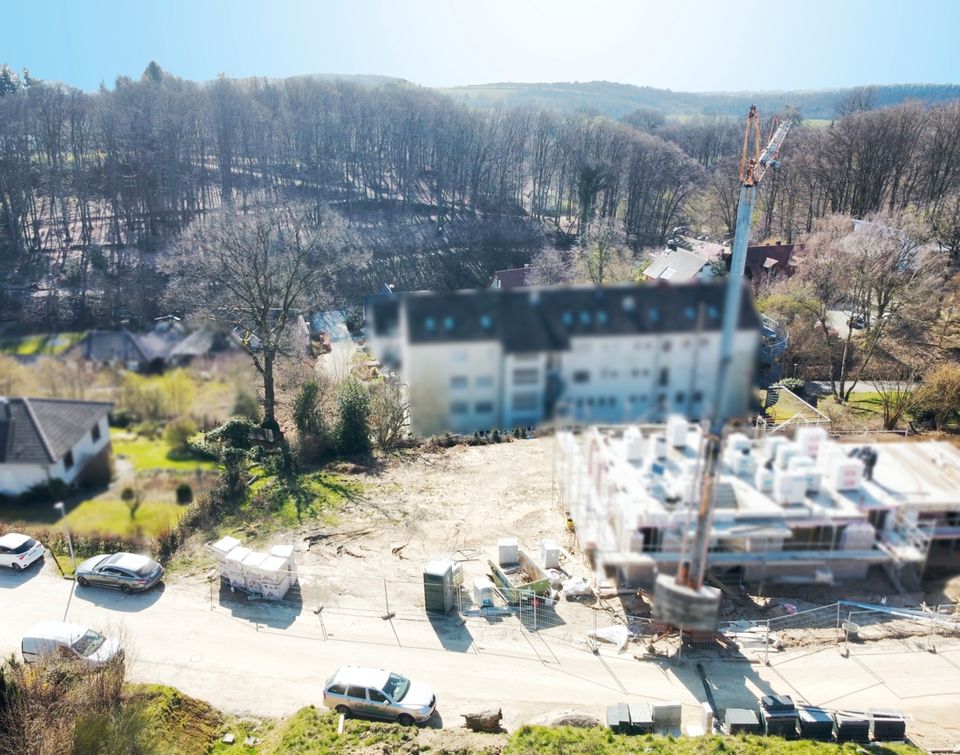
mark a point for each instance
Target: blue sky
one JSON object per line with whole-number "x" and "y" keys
{"x": 704, "y": 45}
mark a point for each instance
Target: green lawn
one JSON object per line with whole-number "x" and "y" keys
{"x": 788, "y": 407}
{"x": 49, "y": 343}
{"x": 105, "y": 515}
{"x": 316, "y": 495}
{"x": 146, "y": 454}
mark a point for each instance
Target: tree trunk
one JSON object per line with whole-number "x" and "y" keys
{"x": 269, "y": 400}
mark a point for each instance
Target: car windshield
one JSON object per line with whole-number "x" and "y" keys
{"x": 396, "y": 687}
{"x": 25, "y": 546}
{"x": 89, "y": 644}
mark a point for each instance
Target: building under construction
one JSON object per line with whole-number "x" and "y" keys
{"x": 801, "y": 509}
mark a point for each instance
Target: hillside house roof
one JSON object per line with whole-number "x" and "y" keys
{"x": 515, "y": 277}
{"x": 43, "y": 430}
{"x": 676, "y": 266}
{"x": 766, "y": 259}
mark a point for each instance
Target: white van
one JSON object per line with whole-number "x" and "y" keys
{"x": 68, "y": 641}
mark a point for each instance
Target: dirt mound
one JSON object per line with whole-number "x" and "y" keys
{"x": 566, "y": 717}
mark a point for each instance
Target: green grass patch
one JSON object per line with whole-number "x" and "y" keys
{"x": 788, "y": 407}
{"x": 314, "y": 730}
{"x": 288, "y": 503}
{"x": 36, "y": 345}
{"x": 566, "y": 740}
{"x": 103, "y": 515}
{"x": 147, "y": 454}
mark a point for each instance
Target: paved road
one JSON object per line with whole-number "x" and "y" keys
{"x": 178, "y": 636}
{"x": 863, "y": 386}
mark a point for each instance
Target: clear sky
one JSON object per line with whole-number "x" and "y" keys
{"x": 696, "y": 45}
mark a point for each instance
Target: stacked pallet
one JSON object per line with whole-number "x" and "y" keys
{"x": 264, "y": 574}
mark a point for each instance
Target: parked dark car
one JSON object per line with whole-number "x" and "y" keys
{"x": 126, "y": 571}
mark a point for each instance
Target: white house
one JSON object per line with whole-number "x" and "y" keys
{"x": 494, "y": 358}
{"x": 44, "y": 439}
{"x": 679, "y": 266}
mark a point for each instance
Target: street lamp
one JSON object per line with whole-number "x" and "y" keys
{"x": 60, "y": 507}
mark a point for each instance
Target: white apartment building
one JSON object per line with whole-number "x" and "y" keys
{"x": 494, "y": 358}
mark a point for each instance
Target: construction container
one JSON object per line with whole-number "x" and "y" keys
{"x": 887, "y": 726}
{"x": 763, "y": 479}
{"x": 483, "y": 591}
{"x": 779, "y": 716}
{"x": 851, "y": 727}
{"x": 657, "y": 445}
{"x": 667, "y": 715}
{"x": 789, "y": 487}
{"x": 815, "y": 723}
{"x": 439, "y": 595}
{"x": 784, "y": 453}
{"x": 641, "y": 718}
{"x": 633, "y": 440}
{"x": 549, "y": 554}
{"x": 846, "y": 474}
{"x": 809, "y": 439}
{"x": 859, "y": 536}
{"x": 740, "y": 721}
{"x": 223, "y": 546}
{"x": 507, "y": 550}
{"x": 677, "y": 431}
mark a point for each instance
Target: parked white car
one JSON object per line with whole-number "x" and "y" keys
{"x": 68, "y": 641}
{"x": 19, "y": 551}
{"x": 373, "y": 692}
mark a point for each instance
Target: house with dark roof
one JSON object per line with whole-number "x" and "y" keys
{"x": 43, "y": 439}
{"x": 766, "y": 262}
{"x": 494, "y": 358}
{"x": 136, "y": 351}
{"x": 515, "y": 277}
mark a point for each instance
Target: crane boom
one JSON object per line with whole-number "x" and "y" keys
{"x": 686, "y": 597}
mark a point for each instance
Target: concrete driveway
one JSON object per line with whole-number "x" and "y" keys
{"x": 272, "y": 660}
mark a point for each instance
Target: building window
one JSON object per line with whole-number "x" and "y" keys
{"x": 68, "y": 460}
{"x": 526, "y": 376}
{"x": 581, "y": 376}
{"x": 602, "y": 401}
{"x": 484, "y": 407}
{"x": 458, "y": 381}
{"x": 95, "y": 432}
{"x": 697, "y": 397}
{"x": 484, "y": 381}
{"x": 524, "y": 401}
{"x": 664, "y": 376}
{"x": 459, "y": 407}
{"x": 680, "y": 397}
{"x": 635, "y": 373}
{"x": 667, "y": 345}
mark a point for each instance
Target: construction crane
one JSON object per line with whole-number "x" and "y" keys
{"x": 683, "y": 601}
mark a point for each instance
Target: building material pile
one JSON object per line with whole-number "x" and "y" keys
{"x": 264, "y": 574}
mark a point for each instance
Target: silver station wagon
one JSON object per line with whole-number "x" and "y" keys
{"x": 375, "y": 693}
{"x": 127, "y": 571}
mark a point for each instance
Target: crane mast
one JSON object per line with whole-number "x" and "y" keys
{"x": 683, "y": 601}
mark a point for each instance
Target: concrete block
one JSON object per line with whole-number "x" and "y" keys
{"x": 667, "y": 714}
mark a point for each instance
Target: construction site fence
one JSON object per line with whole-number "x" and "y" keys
{"x": 365, "y": 606}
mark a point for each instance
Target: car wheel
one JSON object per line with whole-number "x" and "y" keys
{"x": 405, "y": 719}
{"x": 82, "y": 581}
{"x": 126, "y": 589}
{"x": 344, "y": 711}
{"x": 17, "y": 567}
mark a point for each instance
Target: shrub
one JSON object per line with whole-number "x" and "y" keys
{"x": 45, "y": 492}
{"x": 246, "y": 405}
{"x": 179, "y": 432}
{"x": 495, "y": 436}
{"x": 184, "y": 494}
{"x": 123, "y": 418}
{"x": 353, "y": 426}
{"x": 148, "y": 428}
{"x": 234, "y": 433}
{"x": 797, "y": 385}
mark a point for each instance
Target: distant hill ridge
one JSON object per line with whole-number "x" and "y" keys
{"x": 615, "y": 100}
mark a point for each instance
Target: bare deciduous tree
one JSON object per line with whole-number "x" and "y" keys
{"x": 256, "y": 272}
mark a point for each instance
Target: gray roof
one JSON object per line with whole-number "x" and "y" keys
{"x": 676, "y": 265}
{"x": 545, "y": 319}
{"x": 42, "y": 430}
